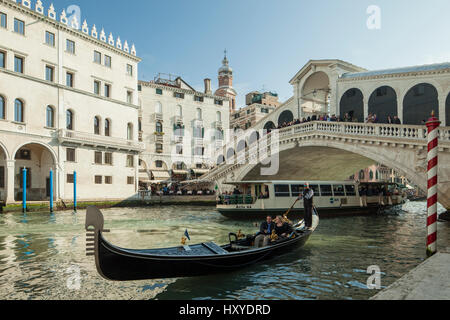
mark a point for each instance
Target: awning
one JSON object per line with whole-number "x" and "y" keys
{"x": 161, "y": 175}
{"x": 180, "y": 172}
{"x": 200, "y": 171}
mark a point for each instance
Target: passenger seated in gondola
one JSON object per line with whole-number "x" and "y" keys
{"x": 282, "y": 229}
{"x": 266, "y": 229}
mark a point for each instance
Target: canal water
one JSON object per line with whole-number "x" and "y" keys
{"x": 42, "y": 256}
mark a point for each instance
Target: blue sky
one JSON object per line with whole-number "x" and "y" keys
{"x": 268, "y": 41}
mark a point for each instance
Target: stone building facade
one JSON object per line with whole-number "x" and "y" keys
{"x": 68, "y": 102}
{"x": 181, "y": 128}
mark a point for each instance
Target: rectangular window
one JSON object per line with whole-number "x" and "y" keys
{"x": 50, "y": 38}
{"x": 70, "y": 46}
{"x": 97, "y": 87}
{"x": 218, "y": 102}
{"x": 2, "y": 59}
{"x": 97, "y": 57}
{"x": 178, "y": 95}
{"x": 70, "y": 178}
{"x": 282, "y": 190}
{"x": 3, "y": 20}
{"x": 108, "y": 180}
{"x": 108, "y": 61}
{"x": 98, "y": 158}
{"x": 129, "y": 97}
{"x": 69, "y": 79}
{"x": 2, "y": 177}
{"x": 159, "y": 148}
{"x": 19, "y": 26}
{"x": 338, "y": 190}
{"x": 24, "y": 154}
{"x": 159, "y": 91}
{"x": 49, "y": 73}
{"x": 315, "y": 188}
{"x": 159, "y": 164}
{"x": 18, "y": 64}
{"x": 70, "y": 155}
{"x": 130, "y": 161}
{"x": 129, "y": 69}
{"x": 130, "y": 180}
{"x": 108, "y": 158}
{"x": 350, "y": 190}
{"x": 326, "y": 190}
{"x": 107, "y": 90}
{"x": 198, "y": 99}
{"x": 98, "y": 179}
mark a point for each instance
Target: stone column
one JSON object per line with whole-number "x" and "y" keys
{"x": 442, "y": 115}
{"x": 400, "y": 108}
{"x": 10, "y": 176}
{"x": 366, "y": 107}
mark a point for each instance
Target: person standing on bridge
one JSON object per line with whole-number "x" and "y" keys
{"x": 308, "y": 203}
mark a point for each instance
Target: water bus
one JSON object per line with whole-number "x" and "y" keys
{"x": 332, "y": 198}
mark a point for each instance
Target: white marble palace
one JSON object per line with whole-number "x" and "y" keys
{"x": 68, "y": 102}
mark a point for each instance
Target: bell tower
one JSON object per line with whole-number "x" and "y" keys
{"x": 226, "y": 83}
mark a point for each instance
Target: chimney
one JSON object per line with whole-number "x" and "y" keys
{"x": 208, "y": 86}
{"x": 178, "y": 82}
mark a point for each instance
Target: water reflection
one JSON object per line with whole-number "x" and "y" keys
{"x": 39, "y": 253}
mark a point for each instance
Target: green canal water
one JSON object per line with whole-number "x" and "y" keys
{"x": 42, "y": 256}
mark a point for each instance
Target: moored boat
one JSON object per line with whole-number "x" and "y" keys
{"x": 256, "y": 199}
{"x": 119, "y": 264}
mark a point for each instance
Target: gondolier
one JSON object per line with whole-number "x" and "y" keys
{"x": 308, "y": 203}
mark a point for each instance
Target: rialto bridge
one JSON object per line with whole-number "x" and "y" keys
{"x": 332, "y": 151}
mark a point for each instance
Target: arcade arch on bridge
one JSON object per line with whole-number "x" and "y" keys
{"x": 316, "y": 94}
{"x": 269, "y": 126}
{"x": 419, "y": 102}
{"x": 352, "y": 103}
{"x": 285, "y": 118}
{"x": 383, "y": 103}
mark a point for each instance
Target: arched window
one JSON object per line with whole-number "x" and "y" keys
{"x": 159, "y": 108}
{"x": 96, "y": 125}
{"x": 130, "y": 131}
{"x": 199, "y": 114}
{"x": 362, "y": 175}
{"x": 18, "y": 111}
{"x": 179, "y": 111}
{"x": 219, "y": 116}
{"x": 50, "y": 117}
{"x": 2, "y": 108}
{"x": 419, "y": 102}
{"x": 69, "y": 120}
{"x": 107, "y": 128}
{"x": 159, "y": 127}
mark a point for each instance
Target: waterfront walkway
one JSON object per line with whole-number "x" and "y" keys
{"x": 429, "y": 281}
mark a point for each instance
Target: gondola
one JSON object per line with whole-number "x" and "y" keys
{"x": 118, "y": 264}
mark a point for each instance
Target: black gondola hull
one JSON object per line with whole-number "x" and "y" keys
{"x": 118, "y": 265}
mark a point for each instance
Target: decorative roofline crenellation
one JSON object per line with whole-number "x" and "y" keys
{"x": 73, "y": 23}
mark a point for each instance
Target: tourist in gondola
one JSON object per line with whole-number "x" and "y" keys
{"x": 263, "y": 238}
{"x": 282, "y": 229}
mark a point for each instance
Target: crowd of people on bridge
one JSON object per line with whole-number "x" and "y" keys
{"x": 348, "y": 117}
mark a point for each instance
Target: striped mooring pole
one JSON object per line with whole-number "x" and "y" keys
{"x": 75, "y": 191}
{"x": 24, "y": 190}
{"x": 433, "y": 141}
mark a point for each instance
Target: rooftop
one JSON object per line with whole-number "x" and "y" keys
{"x": 413, "y": 69}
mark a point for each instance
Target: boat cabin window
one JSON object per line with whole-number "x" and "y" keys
{"x": 350, "y": 190}
{"x": 326, "y": 190}
{"x": 338, "y": 190}
{"x": 297, "y": 190}
{"x": 282, "y": 191}
{"x": 316, "y": 190}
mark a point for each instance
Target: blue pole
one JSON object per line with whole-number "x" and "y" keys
{"x": 51, "y": 190}
{"x": 24, "y": 190}
{"x": 75, "y": 191}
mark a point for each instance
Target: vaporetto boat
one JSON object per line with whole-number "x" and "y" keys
{"x": 331, "y": 198}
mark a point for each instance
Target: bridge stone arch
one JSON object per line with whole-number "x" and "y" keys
{"x": 321, "y": 159}
{"x": 352, "y": 102}
{"x": 383, "y": 102}
{"x": 316, "y": 91}
{"x": 418, "y": 103}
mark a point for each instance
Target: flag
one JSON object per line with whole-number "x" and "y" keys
{"x": 186, "y": 234}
